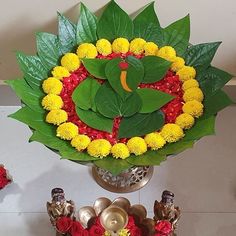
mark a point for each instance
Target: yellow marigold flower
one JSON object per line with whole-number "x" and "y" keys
{"x": 56, "y": 117}
{"x": 193, "y": 108}
{"x": 52, "y": 102}
{"x": 193, "y": 94}
{"x": 120, "y": 150}
{"x": 104, "y": 47}
{"x": 154, "y": 140}
{"x": 80, "y": 142}
{"x": 150, "y": 49}
{"x": 70, "y": 61}
{"x": 177, "y": 64}
{"x": 185, "y": 121}
{"x": 191, "y": 83}
{"x": 87, "y": 50}
{"x": 137, "y": 145}
{"x": 67, "y": 131}
{"x": 172, "y": 133}
{"x": 120, "y": 45}
{"x": 137, "y": 46}
{"x": 186, "y": 73}
{"x": 167, "y": 52}
{"x": 124, "y": 232}
{"x": 52, "y": 85}
{"x": 99, "y": 148}
{"x": 59, "y": 72}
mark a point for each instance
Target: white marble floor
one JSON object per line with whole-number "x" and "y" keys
{"x": 203, "y": 179}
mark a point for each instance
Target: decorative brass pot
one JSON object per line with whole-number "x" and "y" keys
{"x": 128, "y": 181}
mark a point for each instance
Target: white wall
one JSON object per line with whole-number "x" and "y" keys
{"x": 211, "y": 20}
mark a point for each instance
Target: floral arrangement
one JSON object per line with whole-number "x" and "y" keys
{"x": 66, "y": 225}
{"x": 5, "y": 179}
{"x": 119, "y": 92}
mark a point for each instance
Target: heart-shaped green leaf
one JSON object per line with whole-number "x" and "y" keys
{"x": 177, "y": 35}
{"x": 110, "y": 104}
{"x": 66, "y": 34}
{"x": 149, "y": 158}
{"x": 95, "y": 120}
{"x": 212, "y": 80}
{"x": 115, "y": 166}
{"x": 216, "y": 102}
{"x": 115, "y": 23}
{"x": 135, "y": 74}
{"x": 96, "y": 67}
{"x": 28, "y": 96}
{"x": 48, "y": 49}
{"x": 175, "y": 148}
{"x": 155, "y": 68}
{"x": 141, "y": 124}
{"x": 35, "y": 120}
{"x": 201, "y": 55}
{"x": 87, "y": 26}
{"x": 83, "y": 96}
{"x": 33, "y": 69}
{"x": 147, "y": 26}
{"x": 153, "y": 99}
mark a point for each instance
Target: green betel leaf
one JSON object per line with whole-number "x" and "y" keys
{"x": 148, "y": 158}
{"x": 147, "y": 26}
{"x": 216, "y": 102}
{"x": 177, "y": 35}
{"x": 115, "y": 166}
{"x": 62, "y": 146}
{"x": 35, "y": 120}
{"x": 141, "y": 124}
{"x": 66, "y": 34}
{"x": 96, "y": 67}
{"x": 33, "y": 69}
{"x": 114, "y": 23}
{"x": 110, "y": 104}
{"x": 135, "y": 74}
{"x": 155, "y": 68}
{"x": 28, "y": 96}
{"x": 87, "y": 26}
{"x": 83, "y": 96}
{"x": 175, "y": 148}
{"x": 153, "y": 99}
{"x": 48, "y": 49}
{"x": 201, "y": 55}
{"x": 203, "y": 127}
{"x": 95, "y": 120}
{"x": 212, "y": 80}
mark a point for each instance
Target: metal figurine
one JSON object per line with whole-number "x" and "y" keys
{"x": 60, "y": 206}
{"x": 166, "y": 210}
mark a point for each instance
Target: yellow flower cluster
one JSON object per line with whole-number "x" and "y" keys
{"x": 193, "y": 108}
{"x": 137, "y": 146}
{"x": 193, "y": 94}
{"x": 70, "y": 61}
{"x": 59, "y": 72}
{"x": 52, "y": 102}
{"x": 52, "y": 86}
{"x": 120, "y": 150}
{"x": 67, "y": 131}
{"x": 104, "y": 47}
{"x": 56, "y": 117}
{"x": 191, "y": 83}
{"x": 186, "y": 73}
{"x": 120, "y": 45}
{"x": 122, "y": 232}
{"x": 80, "y": 142}
{"x": 137, "y": 46}
{"x": 154, "y": 141}
{"x": 99, "y": 148}
{"x": 87, "y": 50}
{"x": 168, "y": 53}
{"x": 172, "y": 132}
{"x": 185, "y": 121}
{"x": 150, "y": 49}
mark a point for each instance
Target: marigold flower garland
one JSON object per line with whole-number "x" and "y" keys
{"x": 170, "y": 132}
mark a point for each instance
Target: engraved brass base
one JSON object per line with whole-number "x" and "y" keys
{"x": 128, "y": 181}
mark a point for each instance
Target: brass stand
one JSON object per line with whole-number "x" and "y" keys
{"x": 128, "y": 181}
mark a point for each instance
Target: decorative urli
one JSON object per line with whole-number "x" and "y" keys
{"x": 119, "y": 92}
